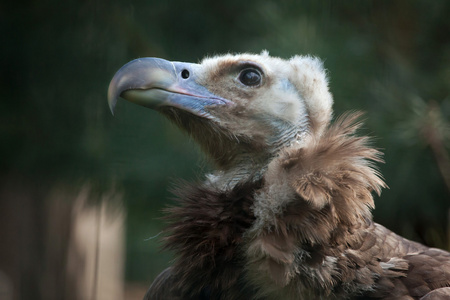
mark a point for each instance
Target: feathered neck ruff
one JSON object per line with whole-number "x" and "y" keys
{"x": 313, "y": 201}
{"x": 207, "y": 233}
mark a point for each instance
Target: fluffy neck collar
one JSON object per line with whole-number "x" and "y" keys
{"x": 314, "y": 206}
{"x": 313, "y": 197}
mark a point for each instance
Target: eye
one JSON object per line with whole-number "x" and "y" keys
{"x": 185, "y": 74}
{"x": 250, "y": 77}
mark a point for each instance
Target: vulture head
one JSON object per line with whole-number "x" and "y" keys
{"x": 241, "y": 109}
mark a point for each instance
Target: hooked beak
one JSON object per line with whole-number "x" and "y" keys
{"x": 155, "y": 83}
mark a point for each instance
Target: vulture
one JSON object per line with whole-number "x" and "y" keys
{"x": 286, "y": 213}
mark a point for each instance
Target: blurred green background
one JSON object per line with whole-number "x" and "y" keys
{"x": 388, "y": 58}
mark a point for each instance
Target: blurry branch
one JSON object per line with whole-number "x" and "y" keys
{"x": 428, "y": 123}
{"x": 98, "y": 222}
{"x": 434, "y": 132}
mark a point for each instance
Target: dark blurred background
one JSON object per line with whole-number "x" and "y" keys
{"x": 81, "y": 191}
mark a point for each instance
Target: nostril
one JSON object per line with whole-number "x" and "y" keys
{"x": 185, "y": 74}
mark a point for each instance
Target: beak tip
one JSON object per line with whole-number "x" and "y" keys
{"x": 112, "y": 105}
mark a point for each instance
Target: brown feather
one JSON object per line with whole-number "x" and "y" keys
{"x": 206, "y": 232}
{"x": 326, "y": 221}
{"x": 304, "y": 231}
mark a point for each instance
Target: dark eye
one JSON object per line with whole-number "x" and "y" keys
{"x": 185, "y": 74}
{"x": 250, "y": 77}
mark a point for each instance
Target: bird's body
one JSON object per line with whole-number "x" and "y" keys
{"x": 287, "y": 213}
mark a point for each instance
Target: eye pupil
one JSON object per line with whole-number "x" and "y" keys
{"x": 250, "y": 77}
{"x": 185, "y": 74}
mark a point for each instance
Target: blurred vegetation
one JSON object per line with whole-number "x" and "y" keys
{"x": 388, "y": 58}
